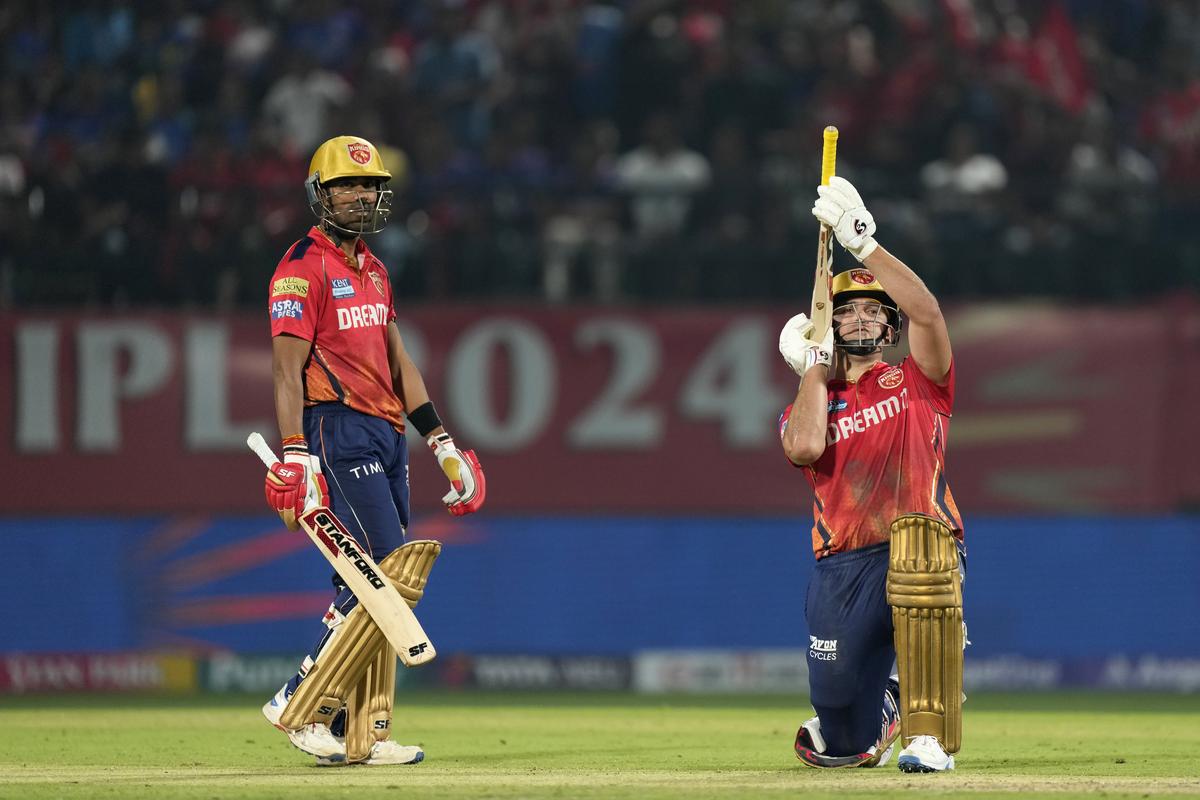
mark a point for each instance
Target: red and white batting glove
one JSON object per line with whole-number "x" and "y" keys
{"x": 467, "y": 484}
{"x": 295, "y": 485}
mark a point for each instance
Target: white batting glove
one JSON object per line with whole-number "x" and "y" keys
{"x": 841, "y": 208}
{"x": 798, "y": 349}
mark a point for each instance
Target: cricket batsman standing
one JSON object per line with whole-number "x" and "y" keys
{"x": 871, "y": 439}
{"x": 343, "y": 385}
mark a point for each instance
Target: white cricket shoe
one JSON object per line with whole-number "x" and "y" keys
{"x": 273, "y": 708}
{"x": 315, "y": 738}
{"x": 383, "y": 753}
{"x": 924, "y": 754}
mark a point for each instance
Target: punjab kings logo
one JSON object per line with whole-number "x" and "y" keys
{"x": 378, "y": 281}
{"x": 360, "y": 152}
{"x": 862, "y": 276}
{"x": 892, "y": 378}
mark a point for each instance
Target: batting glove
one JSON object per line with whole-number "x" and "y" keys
{"x": 468, "y": 488}
{"x": 798, "y": 349}
{"x": 841, "y": 208}
{"x": 294, "y": 486}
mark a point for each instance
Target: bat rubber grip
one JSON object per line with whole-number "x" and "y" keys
{"x": 829, "y": 154}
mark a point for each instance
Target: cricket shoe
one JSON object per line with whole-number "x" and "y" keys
{"x": 810, "y": 749}
{"x": 314, "y": 738}
{"x": 383, "y": 753}
{"x": 889, "y": 729}
{"x": 924, "y": 754}
{"x": 273, "y": 708}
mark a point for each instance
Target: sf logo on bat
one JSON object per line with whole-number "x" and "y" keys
{"x": 417, "y": 649}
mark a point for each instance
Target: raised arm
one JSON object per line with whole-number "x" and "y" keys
{"x": 841, "y": 207}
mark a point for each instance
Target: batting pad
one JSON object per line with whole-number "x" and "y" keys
{"x": 369, "y": 709}
{"x": 356, "y": 644}
{"x": 924, "y": 589}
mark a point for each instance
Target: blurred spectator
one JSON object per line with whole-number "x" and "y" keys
{"x": 661, "y": 178}
{"x": 962, "y": 194}
{"x": 156, "y": 153}
{"x": 1108, "y": 197}
{"x": 583, "y": 226}
{"x": 458, "y": 70}
{"x": 302, "y": 101}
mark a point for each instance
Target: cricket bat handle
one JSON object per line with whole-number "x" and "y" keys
{"x": 828, "y": 154}
{"x": 258, "y": 444}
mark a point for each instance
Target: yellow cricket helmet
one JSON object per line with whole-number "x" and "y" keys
{"x": 860, "y": 282}
{"x": 348, "y": 157}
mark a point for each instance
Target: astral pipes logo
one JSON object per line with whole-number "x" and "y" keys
{"x": 338, "y": 540}
{"x": 822, "y": 649}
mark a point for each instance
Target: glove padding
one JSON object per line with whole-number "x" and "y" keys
{"x": 468, "y": 488}
{"x": 295, "y": 485}
{"x": 798, "y": 349}
{"x": 841, "y": 208}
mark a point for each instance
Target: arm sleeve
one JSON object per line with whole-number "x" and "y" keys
{"x": 294, "y": 299}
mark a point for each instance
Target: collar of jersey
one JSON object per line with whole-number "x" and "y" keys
{"x": 864, "y": 376}
{"x": 323, "y": 240}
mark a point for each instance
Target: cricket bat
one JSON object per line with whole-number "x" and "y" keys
{"x": 360, "y": 572}
{"x": 821, "y": 313}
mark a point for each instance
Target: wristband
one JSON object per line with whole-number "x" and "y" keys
{"x": 424, "y": 418}
{"x": 295, "y": 445}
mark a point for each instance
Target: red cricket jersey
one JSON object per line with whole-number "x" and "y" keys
{"x": 320, "y": 295}
{"x": 884, "y": 456}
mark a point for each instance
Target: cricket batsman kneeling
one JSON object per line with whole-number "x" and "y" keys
{"x": 871, "y": 439}
{"x": 343, "y": 386}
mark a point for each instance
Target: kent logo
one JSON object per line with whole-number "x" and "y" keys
{"x": 337, "y": 539}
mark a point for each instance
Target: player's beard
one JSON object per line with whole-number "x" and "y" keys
{"x": 356, "y": 219}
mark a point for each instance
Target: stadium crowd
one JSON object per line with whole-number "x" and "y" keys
{"x": 153, "y": 152}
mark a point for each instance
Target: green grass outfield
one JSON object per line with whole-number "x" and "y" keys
{"x": 560, "y": 745}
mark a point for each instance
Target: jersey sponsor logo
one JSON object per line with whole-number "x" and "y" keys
{"x": 378, "y": 281}
{"x": 359, "y": 152}
{"x": 367, "y": 315}
{"x": 869, "y": 417}
{"x": 293, "y": 285}
{"x": 822, "y": 649}
{"x": 837, "y": 404}
{"x": 287, "y": 309}
{"x": 892, "y": 378}
{"x": 342, "y": 288}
